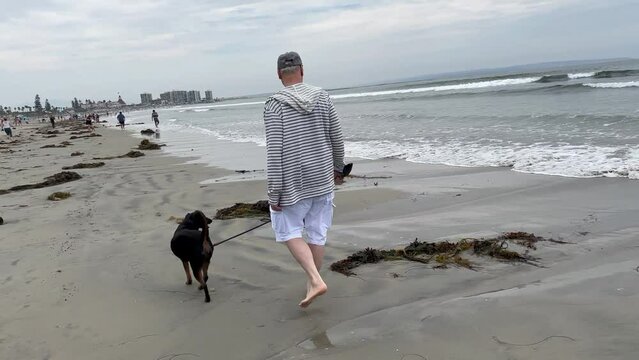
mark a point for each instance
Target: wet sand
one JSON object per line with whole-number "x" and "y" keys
{"x": 93, "y": 277}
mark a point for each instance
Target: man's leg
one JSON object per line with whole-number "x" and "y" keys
{"x": 304, "y": 256}
{"x": 318, "y": 255}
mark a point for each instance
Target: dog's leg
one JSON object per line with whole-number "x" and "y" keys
{"x": 205, "y": 271}
{"x": 200, "y": 278}
{"x": 189, "y": 281}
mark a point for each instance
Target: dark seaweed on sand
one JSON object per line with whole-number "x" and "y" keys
{"x": 130, "y": 154}
{"x": 148, "y": 145}
{"x": 445, "y": 253}
{"x": 259, "y": 209}
{"x": 84, "y": 166}
{"x": 59, "y": 178}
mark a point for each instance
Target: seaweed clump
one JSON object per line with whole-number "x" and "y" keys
{"x": 445, "y": 253}
{"x": 62, "y": 144}
{"x": 85, "y": 136}
{"x": 130, "y": 154}
{"x": 84, "y": 166}
{"x": 77, "y": 153}
{"x": 55, "y": 179}
{"x": 148, "y": 145}
{"x": 244, "y": 210}
{"x": 59, "y": 195}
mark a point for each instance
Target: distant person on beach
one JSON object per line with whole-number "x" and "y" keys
{"x": 121, "y": 119}
{"x": 6, "y": 126}
{"x": 89, "y": 122}
{"x": 305, "y": 159}
{"x": 52, "y": 119}
{"x": 156, "y": 118}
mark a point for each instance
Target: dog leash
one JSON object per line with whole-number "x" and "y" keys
{"x": 242, "y": 233}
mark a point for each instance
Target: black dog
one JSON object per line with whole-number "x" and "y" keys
{"x": 194, "y": 246}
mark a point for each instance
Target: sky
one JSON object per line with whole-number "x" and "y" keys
{"x": 98, "y": 49}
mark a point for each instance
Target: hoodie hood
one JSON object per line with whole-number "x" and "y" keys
{"x": 301, "y": 97}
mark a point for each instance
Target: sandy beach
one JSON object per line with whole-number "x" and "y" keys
{"x": 93, "y": 277}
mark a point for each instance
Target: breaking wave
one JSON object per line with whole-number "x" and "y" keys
{"x": 615, "y": 85}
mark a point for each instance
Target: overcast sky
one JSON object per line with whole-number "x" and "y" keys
{"x": 97, "y": 48}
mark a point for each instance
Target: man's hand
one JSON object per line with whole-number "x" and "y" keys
{"x": 276, "y": 208}
{"x": 339, "y": 177}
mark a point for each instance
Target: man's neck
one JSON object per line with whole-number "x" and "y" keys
{"x": 292, "y": 82}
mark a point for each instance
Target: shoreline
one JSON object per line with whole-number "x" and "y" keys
{"x": 93, "y": 276}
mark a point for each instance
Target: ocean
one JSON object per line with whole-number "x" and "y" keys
{"x": 575, "y": 121}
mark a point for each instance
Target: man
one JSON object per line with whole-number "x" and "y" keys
{"x": 121, "y": 118}
{"x": 305, "y": 158}
{"x": 156, "y": 118}
{"x": 6, "y": 126}
{"x": 52, "y": 120}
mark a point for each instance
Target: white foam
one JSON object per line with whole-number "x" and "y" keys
{"x": 201, "y": 110}
{"x": 581, "y": 75}
{"x": 562, "y": 160}
{"x": 208, "y": 107}
{"x": 464, "y": 86}
{"x": 615, "y": 85}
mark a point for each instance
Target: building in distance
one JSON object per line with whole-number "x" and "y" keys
{"x": 146, "y": 98}
{"x": 193, "y": 96}
{"x": 208, "y": 95}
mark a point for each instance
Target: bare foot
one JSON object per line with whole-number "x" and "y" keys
{"x": 313, "y": 292}
{"x": 189, "y": 282}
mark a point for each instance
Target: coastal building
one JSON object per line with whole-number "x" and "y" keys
{"x": 178, "y": 97}
{"x": 193, "y": 96}
{"x": 208, "y": 95}
{"x": 146, "y": 98}
{"x": 165, "y": 97}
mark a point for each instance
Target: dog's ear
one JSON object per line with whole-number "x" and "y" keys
{"x": 208, "y": 221}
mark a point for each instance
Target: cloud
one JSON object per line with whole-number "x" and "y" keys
{"x": 415, "y": 16}
{"x": 156, "y": 44}
{"x": 64, "y": 33}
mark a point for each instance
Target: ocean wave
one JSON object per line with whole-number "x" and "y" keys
{"x": 615, "y": 73}
{"x": 615, "y": 85}
{"x": 200, "y": 110}
{"x": 563, "y": 160}
{"x": 553, "y": 78}
{"x": 581, "y": 75}
{"x": 209, "y": 107}
{"x": 463, "y": 86}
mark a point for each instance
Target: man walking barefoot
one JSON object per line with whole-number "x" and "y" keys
{"x": 305, "y": 158}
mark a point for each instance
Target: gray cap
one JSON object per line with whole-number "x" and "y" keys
{"x": 288, "y": 59}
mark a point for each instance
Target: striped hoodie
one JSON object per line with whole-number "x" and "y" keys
{"x": 303, "y": 144}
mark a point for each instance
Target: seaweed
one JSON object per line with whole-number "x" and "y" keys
{"x": 445, "y": 253}
{"x": 84, "y": 166}
{"x": 148, "y": 145}
{"x": 244, "y": 210}
{"x": 85, "y": 136}
{"x": 59, "y": 195}
{"x": 77, "y": 153}
{"x": 55, "y": 179}
{"x": 130, "y": 154}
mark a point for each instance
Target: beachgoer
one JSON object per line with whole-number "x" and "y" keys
{"x": 121, "y": 119}
{"x": 89, "y": 122}
{"x": 156, "y": 118}
{"x": 6, "y": 126}
{"x": 305, "y": 159}
{"x": 52, "y": 119}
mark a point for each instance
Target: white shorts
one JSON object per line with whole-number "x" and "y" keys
{"x": 312, "y": 216}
